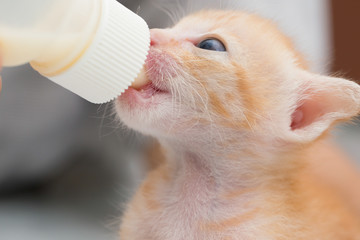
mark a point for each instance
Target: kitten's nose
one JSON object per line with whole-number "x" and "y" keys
{"x": 159, "y": 36}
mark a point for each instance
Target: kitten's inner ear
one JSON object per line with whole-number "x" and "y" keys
{"x": 307, "y": 112}
{"x": 323, "y": 101}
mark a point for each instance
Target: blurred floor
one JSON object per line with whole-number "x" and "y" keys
{"x": 30, "y": 218}
{"x": 83, "y": 202}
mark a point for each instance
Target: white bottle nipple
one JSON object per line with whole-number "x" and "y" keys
{"x": 114, "y": 58}
{"x": 141, "y": 79}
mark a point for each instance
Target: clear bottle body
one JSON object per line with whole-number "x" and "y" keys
{"x": 50, "y": 34}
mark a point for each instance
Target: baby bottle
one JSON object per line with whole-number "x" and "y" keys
{"x": 94, "y": 48}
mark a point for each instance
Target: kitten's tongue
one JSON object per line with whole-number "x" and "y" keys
{"x": 141, "y": 80}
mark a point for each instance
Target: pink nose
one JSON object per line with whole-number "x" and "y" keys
{"x": 159, "y": 37}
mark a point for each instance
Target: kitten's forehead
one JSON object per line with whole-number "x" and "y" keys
{"x": 214, "y": 20}
{"x": 248, "y": 28}
{"x": 204, "y": 22}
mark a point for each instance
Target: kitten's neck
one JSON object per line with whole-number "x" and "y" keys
{"x": 228, "y": 162}
{"x": 216, "y": 180}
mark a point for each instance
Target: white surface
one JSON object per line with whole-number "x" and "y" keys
{"x": 114, "y": 58}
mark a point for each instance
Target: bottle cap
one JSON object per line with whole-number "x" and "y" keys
{"x": 114, "y": 58}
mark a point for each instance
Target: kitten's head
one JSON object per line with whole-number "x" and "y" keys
{"x": 228, "y": 70}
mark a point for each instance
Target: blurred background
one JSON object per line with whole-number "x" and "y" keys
{"x": 67, "y": 167}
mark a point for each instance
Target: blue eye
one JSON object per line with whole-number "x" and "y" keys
{"x": 212, "y": 45}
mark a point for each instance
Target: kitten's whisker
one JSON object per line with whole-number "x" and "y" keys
{"x": 103, "y": 120}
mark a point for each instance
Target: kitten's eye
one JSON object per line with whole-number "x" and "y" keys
{"x": 212, "y": 45}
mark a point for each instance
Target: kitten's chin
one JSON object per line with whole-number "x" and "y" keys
{"x": 144, "y": 109}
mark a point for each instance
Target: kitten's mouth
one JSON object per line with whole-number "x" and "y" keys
{"x": 146, "y": 95}
{"x": 154, "y": 88}
{"x": 149, "y": 90}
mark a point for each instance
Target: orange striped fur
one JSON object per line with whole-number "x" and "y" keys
{"x": 244, "y": 136}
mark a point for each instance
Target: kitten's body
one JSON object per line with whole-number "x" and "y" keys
{"x": 238, "y": 131}
{"x": 192, "y": 203}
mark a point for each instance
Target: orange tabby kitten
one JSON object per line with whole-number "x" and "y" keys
{"x": 240, "y": 120}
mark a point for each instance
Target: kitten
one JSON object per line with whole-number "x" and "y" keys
{"x": 239, "y": 117}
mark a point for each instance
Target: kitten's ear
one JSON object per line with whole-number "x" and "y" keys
{"x": 322, "y": 101}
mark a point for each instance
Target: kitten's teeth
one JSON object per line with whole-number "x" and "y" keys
{"x": 152, "y": 98}
{"x": 142, "y": 90}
